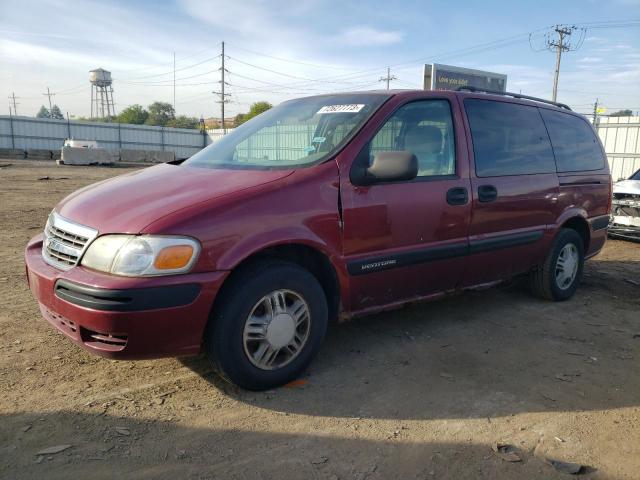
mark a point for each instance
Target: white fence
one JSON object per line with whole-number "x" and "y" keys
{"x": 620, "y": 137}
{"x": 38, "y": 133}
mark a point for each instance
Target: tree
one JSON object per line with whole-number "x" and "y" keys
{"x": 255, "y": 110}
{"x": 239, "y": 119}
{"x": 134, "y": 114}
{"x": 56, "y": 113}
{"x": 160, "y": 113}
{"x": 182, "y": 121}
{"x": 43, "y": 112}
{"x": 622, "y": 113}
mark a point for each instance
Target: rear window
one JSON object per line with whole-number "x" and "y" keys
{"x": 508, "y": 139}
{"x": 575, "y": 145}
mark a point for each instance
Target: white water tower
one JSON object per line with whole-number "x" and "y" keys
{"x": 101, "y": 94}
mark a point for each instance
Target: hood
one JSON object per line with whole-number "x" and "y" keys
{"x": 128, "y": 203}
{"x": 627, "y": 186}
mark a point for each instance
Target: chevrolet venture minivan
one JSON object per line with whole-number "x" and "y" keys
{"x": 323, "y": 208}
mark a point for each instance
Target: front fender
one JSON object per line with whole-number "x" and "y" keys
{"x": 254, "y": 244}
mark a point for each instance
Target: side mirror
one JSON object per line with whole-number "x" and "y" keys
{"x": 391, "y": 167}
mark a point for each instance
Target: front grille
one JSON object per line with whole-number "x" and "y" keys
{"x": 626, "y": 196}
{"x": 65, "y": 241}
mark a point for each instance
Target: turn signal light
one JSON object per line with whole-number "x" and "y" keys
{"x": 173, "y": 257}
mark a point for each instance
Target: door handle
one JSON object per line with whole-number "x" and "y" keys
{"x": 457, "y": 196}
{"x": 487, "y": 193}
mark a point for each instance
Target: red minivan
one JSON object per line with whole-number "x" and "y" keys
{"x": 323, "y": 208}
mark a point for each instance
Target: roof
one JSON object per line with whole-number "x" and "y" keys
{"x": 462, "y": 92}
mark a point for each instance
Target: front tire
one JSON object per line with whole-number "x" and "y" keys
{"x": 559, "y": 276}
{"x": 268, "y": 326}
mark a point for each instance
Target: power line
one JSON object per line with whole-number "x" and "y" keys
{"x": 169, "y": 82}
{"x": 342, "y": 78}
{"x": 172, "y": 71}
{"x": 618, "y": 24}
{"x": 316, "y": 65}
{"x": 165, "y": 64}
{"x": 334, "y": 81}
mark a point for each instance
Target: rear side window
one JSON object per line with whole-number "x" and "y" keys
{"x": 508, "y": 139}
{"x": 575, "y": 145}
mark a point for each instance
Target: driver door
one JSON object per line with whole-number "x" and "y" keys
{"x": 408, "y": 239}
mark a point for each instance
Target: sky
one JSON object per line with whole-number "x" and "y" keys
{"x": 277, "y": 50}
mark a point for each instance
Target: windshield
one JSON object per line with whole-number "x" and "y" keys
{"x": 293, "y": 134}
{"x": 635, "y": 176}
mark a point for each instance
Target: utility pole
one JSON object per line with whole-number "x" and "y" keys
{"x": 559, "y": 45}
{"x": 223, "y": 96}
{"x": 388, "y": 78}
{"x": 13, "y": 98}
{"x": 49, "y": 94}
{"x": 597, "y": 110}
{"x": 224, "y": 127}
{"x": 174, "y": 81}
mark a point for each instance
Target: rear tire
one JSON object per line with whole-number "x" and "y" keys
{"x": 268, "y": 326}
{"x": 559, "y": 276}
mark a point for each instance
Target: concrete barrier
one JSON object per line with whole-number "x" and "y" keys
{"x": 156, "y": 156}
{"x": 146, "y": 156}
{"x": 11, "y": 153}
{"x": 101, "y": 156}
{"x": 38, "y": 154}
{"x": 88, "y": 156}
{"x": 133, "y": 156}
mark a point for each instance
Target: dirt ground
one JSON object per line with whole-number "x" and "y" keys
{"x": 420, "y": 393}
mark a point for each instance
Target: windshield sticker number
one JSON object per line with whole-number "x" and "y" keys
{"x": 352, "y": 108}
{"x": 318, "y": 140}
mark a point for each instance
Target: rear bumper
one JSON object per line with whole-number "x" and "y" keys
{"x": 119, "y": 317}
{"x": 598, "y": 234}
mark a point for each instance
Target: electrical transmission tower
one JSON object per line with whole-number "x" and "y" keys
{"x": 559, "y": 40}
{"x": 13, "y": 99}
{"x": 388, "y": 78}
{"x": 221, "y": 93}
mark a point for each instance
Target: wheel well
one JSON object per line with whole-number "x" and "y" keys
{"x": 581, "y": 226}
{"x": 307, "y": 257}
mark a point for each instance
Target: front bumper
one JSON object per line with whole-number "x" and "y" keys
{"x": 622, "y": 232}
{"x": 120, "y": 317}
{"x": 625, "y": 218}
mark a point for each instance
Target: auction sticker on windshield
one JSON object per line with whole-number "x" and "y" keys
{"x": 351, "y": 108}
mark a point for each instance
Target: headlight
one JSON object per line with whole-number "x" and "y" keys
{"x": 141, "y": 256}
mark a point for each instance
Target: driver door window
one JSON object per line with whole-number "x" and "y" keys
{"x": 424, "y": 128}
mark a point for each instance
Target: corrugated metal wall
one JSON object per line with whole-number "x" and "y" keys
{"x": 620, "y": 137}
{"x": 39, "y": 133}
